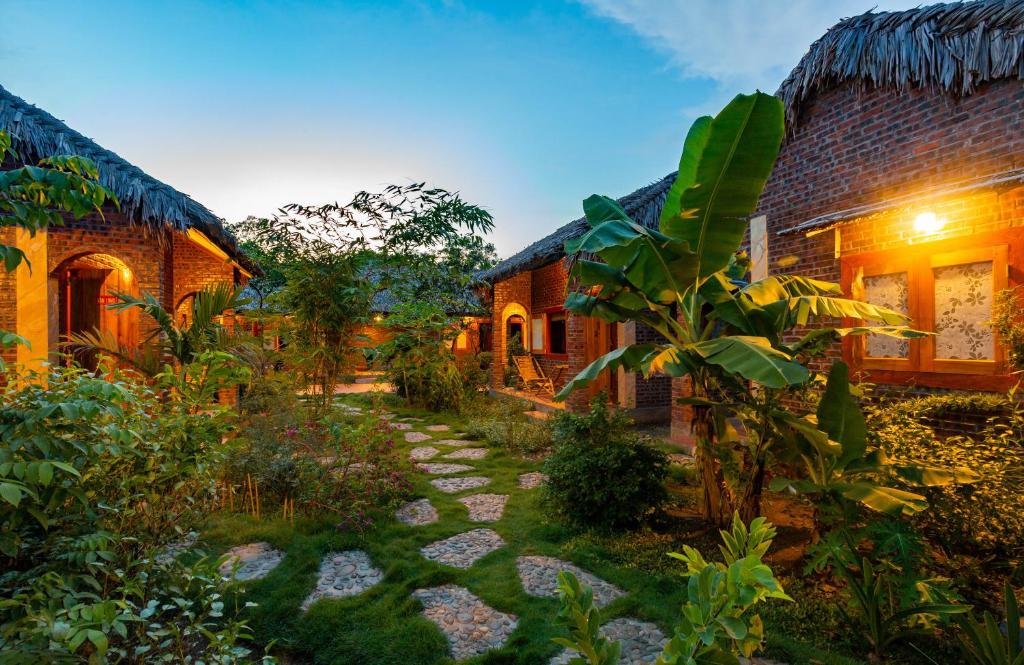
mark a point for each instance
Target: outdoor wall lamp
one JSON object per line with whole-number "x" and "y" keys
{"x": 927, "y": 223}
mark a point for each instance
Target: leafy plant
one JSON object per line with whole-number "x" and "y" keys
{"x": 34, "y": 197}
{"x": 730, "y": 339}
{"x": 590, "y": 449}
{"x": 583, "y": 620}
{"x": 984, "y": 643}
{"x": 501, "y": 422}
{"x": 878, "y": 588}
{"x": 1007, "y": 323}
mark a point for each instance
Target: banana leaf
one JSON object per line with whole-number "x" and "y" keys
{"x": 753, "y": 358}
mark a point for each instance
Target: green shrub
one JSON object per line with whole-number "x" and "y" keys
{"x": 97, "y": 477}
{"x": 984, "y": 516}
{"x": 600, "y": 474}
{"x": 501, "y": 422}
{"x": 476, "y": 372}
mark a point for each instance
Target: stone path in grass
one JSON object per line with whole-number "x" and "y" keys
{"x": 417, "y": 513}
{"x": 255, "y": 561}
{"x": 532, "y": 480}
{"x": 417, "y": 437}
{"x": 539, "y": 575}
{"x": 641, "y": 642}
{"x": 464, "y": 549}
{"x": 401, "y": 426}
{"x": 423, "y": 452}
{"x": 438, "y": 468}
{"x": 485, "y": 507}
{"x": 457, "y": 443}
{"x": 455, "y": 485}
{"x": 344, "y": 574}
{"x": 467, "y": 453}
{"x": 471, "y": 626}
{"x": 437, "y": 428}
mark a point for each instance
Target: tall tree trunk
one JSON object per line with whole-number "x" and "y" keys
{"x": 703, "y": 430}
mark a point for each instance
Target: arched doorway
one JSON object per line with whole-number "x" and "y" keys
{"x": 515, "y": 327}
{"x": 183, "y": 312}
{"x": 86, "y": 286}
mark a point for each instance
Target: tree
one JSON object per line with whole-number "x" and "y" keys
{"x": 335, "y": 258}
{"x": 34, "y": 197}
{"x": 683, "y": 280}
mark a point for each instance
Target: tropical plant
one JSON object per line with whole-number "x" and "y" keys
{"x": 893, "y": 603}
{"x": 984, "y": 643}
{"x": 169, "y": 341}
{"x": 502, "y": 422}
{"x": 841, "y": 470}
{"x": 583, "y": 620}
{"x": 715, "y": 625}
{"x": 730, "y": 339}
{"x": 1008, "y": 324}
{"x": 34, "y": 197}
{"x": 590, "y": 449}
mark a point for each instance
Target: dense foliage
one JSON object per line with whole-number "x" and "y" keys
{"x": 600, "y": 474}
{"x": 502, "y": 422}
{"x": 97, "y": 476}
{"x": 980, "y": 517}
{"x": 1009, "y": 325}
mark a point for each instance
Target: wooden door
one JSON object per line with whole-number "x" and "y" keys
{"x": 597, "y": 342}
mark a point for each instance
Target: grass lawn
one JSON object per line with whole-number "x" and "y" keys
{"x": 384, "y": 624}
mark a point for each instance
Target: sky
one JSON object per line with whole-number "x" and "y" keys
{"x": 525, "y": 107}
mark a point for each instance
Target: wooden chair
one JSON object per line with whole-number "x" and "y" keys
{"x": 532, "y": 374}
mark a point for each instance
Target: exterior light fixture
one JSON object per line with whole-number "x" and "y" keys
{"x": 927, "y": 223}
{"x": 378, "y": 318}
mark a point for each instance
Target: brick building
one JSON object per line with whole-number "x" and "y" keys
{"x": 527, "y": 293}
{"x": 159, "y": 241}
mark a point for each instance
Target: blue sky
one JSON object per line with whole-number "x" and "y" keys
{"x": 525, "y": 107}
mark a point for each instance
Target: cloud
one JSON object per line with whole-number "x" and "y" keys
{"x": 737, "y": 44}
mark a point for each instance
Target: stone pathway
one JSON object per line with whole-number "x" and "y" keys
{"x": 417, "y": 437}
{"x": 173, "y": 549}
{"x": 464, "y": 549}
{"x": 423, "y": 452}
{"x": 539, "y": 575}
{"x": 437, "y": 428}
{"x": 400, "y": 426}
{"x": 681, "y": 459}
{"x": 417, "y": 513}
{"x": 467, "y": 453}
{"x": 532, "y": 480}
{"x": 255, "y": 561}
{"x": 441, "y": 467}
{"x": 642, "y": 642}
{"x": 485, "y": 507}
{"x": 457, "y": 443}
{"x": 471, "y": 626}
{"x": 454, "y": 485}
{"x": 344, "y": 574}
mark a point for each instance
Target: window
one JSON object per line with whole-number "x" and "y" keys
{"x": 537, "y": 334}
{"x": 556, "y": 333}
{"x": 949, "y": 293}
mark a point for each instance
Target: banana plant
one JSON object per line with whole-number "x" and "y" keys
{"x": 984, "y": 643}
{"x": 682, "y": 280}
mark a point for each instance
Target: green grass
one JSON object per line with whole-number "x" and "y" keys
{"x": 384, "y": 624}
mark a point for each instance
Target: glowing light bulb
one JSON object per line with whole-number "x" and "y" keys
{"x": 928, "y": 223}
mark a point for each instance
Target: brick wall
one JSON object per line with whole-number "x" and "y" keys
{"x": 514, "y": 290}
{"x": 657, "y": 390}
{"x": 193, "y": 269}
{"x": 8, "y": 297}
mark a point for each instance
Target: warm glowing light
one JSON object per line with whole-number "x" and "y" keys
{"x": 126, "y": 274}
{"x": 378, "y": 318}
{"x": 927, "y": 223}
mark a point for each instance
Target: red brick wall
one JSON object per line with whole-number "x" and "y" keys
{"x": 515, "y": 289}
{"x": 8, "y": 297}
{"x": 549, "y": 286}
{"x": 657, "y": 390}
{"x": 194, "y": 268}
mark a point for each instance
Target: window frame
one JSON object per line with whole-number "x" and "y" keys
{"x": 547, "y": 333}
{"x": 919, "y": 261}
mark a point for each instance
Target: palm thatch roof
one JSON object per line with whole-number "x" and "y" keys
{"x": 643, "y": 206}
{"x": 951, "y": 47}
{"x": 145, "y": 200}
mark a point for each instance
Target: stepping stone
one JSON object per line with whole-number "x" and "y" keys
{"x": 532, "y": 480}
{"x": 344, "y": 574}
{"x": 457, "y": 443}
{"x": 441, "y": 467}
{"x": 437, "y": 428}
{"x": 464, "y": 549}
{"x": 255, "y": 561}
{"x": 467, "y": 453}
{"x": 485, "y": 507}
{"x": 401, "y": 426}
{"x": 327, "y": 460}
{"x": 680, "y": 459}
{"x": 423, "y": 452}
{"x": 386, "y": 415}
{"x": 417, "y": 513}
{"x": 417, "y": 437}
{"x": 173, "y": 549}
{"x": 349, "y": 410}
{"x": 539, "y": 575}
{"x": 642, "y": 642}
{"x": 454, "y": 485}
{"x": 472, "y": 627}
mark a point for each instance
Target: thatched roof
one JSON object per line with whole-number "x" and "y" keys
{"x": 643, "y": 206}
{"x": 144, "y": 199}
{"x": 950, "y": 47}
